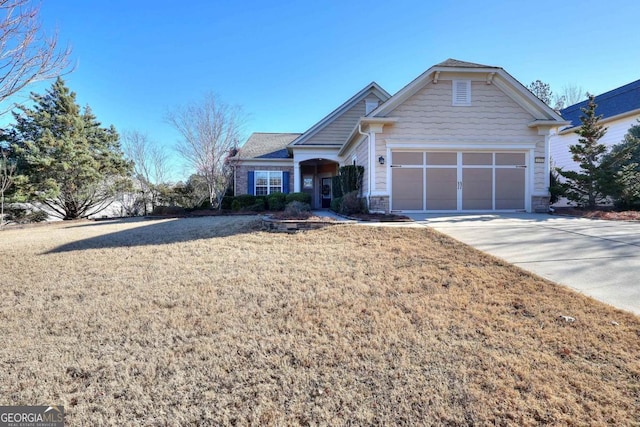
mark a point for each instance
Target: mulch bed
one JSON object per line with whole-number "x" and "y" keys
{"x": 601, "y": 213}
{"x": 377, "y": 217}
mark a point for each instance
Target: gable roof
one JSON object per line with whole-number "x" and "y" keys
{"x": 613, "y": 103}
{"x": 261, "y": 145}
{"x": 347, "y": 105}
{"x": 462, "y": 64}
{"x": 494, "y": 75}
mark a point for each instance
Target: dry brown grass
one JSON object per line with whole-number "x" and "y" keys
{"x": 208, "y": 321}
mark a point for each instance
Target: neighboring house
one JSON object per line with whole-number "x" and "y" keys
{"x": 460, "y": 137}
{"x": 620, "y": 109}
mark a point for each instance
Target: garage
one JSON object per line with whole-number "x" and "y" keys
{"x": 458, "y": 181}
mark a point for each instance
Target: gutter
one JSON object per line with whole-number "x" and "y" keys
{"x": 369, "y": 158}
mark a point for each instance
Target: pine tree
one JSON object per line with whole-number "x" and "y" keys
{"x": 66, "y": 160}
{"x": 583, "y": 186}
{"x": 622, "y": 170}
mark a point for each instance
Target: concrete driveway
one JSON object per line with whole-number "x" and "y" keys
{"x": 596, "y": 257}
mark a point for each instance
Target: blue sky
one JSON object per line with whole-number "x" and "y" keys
{"x": 289, "y": 63}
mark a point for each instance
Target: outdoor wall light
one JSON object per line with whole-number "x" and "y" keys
{"x": 381, "y": 160}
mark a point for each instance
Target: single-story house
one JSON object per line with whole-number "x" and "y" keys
{"x": 460, "y": 137}
{"x": 619, "y": 108}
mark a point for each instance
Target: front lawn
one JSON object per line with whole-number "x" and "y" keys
{"x": 209, "y": 321}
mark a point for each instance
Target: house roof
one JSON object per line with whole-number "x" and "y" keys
{"x": 261, "y": 145}
{"x": 494, "y": 75}
{"x": 613, "y": 103}
{"x": 362, "y": 94}
{"x": 461, "y": 64}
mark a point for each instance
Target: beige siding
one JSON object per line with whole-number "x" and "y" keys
{"x": 428, "y": 117}
{"x": 491, "y": 116}
{"x": 539, "y": 178}
{"x": 362, "y": 159}
{"x": 339, "y": 130}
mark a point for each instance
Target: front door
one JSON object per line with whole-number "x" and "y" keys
{"x": 325, "y": 195}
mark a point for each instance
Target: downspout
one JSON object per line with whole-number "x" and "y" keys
{"x": 369, "y": 159}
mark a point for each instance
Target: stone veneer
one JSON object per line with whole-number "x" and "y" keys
{"x": 379, "y": 204}
{"x": 540, "y": 204}
{"x": 294, "y": 225}
{"x": 242, "y": 173}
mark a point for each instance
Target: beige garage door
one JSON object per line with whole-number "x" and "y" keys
{"x": 457, "y": 181}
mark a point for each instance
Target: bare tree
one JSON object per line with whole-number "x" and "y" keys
{"x": 210, "y": 132}
{"x": 569, "y": 95}
{"x": 151, "y": 167}
{"x": 26, "y": 54}
{"x": 7, "y": 171}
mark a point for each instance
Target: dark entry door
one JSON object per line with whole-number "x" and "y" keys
{"x": 326, "y": 193}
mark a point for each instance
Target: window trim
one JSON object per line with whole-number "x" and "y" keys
{"x": 268, "y": 186}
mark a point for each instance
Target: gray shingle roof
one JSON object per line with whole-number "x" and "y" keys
{"x": 456, "y": 63}
{"x": 262, "y": 145}
{"x": 609, "y": 104}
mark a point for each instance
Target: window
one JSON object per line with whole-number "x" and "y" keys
{"x": 461, "y": 92}
{"x": 268, "y": 182}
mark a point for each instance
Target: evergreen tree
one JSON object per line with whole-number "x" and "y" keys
{"x": 66, "y": 160}
{"x": 542, "y": 90}
{"x": 584, "y": 186}
{"x": 621, "y": 177}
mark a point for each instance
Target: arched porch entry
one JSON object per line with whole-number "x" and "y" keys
{"x": 315, "y": 179}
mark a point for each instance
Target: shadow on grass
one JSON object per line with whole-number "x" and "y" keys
{"x": 162, "y": 232}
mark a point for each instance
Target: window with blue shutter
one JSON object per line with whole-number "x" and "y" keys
{"x": 263, "y": 183}
{"x": 250, "y": 184}
{"x": 285, "y": 182}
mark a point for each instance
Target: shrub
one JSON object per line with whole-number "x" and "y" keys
{"x": 295, "y": 209}
{"x": 555, "y": 187}
{"x": 227, "y": 202}
{"x": 245, "y": 200}
{"x": 168, "y": 210}
{"x": 336, "y": 204}
{"x": 299, "y": 197}
{"x": 205, "y": 205}
{"x": 352, "y": 204}
{"x": 351, "y": 178}
{"x": 258, "y": 206}
{"x": 277, "y": 201}
{"x": 16, "y": 214}
{"x": 37, "y": 216}
{"x": 235, "y": 205}
{"x": 21, "y": 215}
{"x": 336, "y": 187}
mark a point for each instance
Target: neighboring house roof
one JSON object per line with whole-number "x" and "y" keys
{"x": 609, "y": 104}
{"x": 262, "y": 145}
{"x": 372, "y": 87}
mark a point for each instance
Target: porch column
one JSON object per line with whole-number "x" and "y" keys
{"x": 296, "y": 176}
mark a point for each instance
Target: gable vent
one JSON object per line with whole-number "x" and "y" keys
{"x": 461, "y": 92}
{"x": 370, "y": 105}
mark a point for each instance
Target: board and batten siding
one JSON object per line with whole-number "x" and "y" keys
{"x": 429, "y": 117}
{"x": 339, "y": 130}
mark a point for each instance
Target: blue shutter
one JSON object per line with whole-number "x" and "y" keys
{"x": 251, "y": 188}
{"x": 285, "y": 182}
